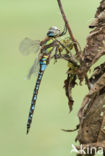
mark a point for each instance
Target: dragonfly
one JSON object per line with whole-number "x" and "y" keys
{"x": 45, "y": 48}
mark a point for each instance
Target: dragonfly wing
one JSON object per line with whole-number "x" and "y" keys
{"x": 34, "y": 69}
{"x": 28, "y": 46}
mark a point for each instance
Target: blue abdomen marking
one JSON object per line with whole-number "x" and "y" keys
{"x": 33, "y": 107}
{"x": 40, "y": 76}
{"x": 44, "y": 59}
{"x": 35, "y": 97}
{"x": 43, "y": 65}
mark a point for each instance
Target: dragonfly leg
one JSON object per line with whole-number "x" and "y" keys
{"x": 57, "y": 53}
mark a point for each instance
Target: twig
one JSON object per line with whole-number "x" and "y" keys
{"x": 87, "y": 81}
{"x": 68, "y": 27}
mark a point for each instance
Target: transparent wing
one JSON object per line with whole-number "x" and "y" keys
{"x": 28, "y": 46}
{"x": 34, "y": 69}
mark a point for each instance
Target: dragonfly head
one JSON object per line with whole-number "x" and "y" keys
{"x": 53, "y": 32}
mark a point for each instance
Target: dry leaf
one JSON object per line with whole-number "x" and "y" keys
{"x": 69, "y": 83}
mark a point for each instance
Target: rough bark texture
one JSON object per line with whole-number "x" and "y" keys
{"x": 92, "y": 112}
{"x": 95, "y": 45}
{"x": 91, "y": 129}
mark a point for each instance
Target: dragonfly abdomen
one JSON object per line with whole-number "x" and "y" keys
{"x": 43, "y": 64}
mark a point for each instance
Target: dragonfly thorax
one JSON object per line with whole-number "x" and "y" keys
{"x": 48, "y": 46}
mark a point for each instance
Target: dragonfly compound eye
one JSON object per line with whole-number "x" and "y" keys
{"x": 53, "y": 31}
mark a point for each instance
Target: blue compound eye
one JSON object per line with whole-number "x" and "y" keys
{"x": 50, "y": 34}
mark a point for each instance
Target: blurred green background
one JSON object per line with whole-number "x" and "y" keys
{"x": 32, "y": 18}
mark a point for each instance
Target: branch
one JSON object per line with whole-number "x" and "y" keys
{"x": 68, "y": 27}
{"x": 72, "y": 38}
{"x": 87, "y": 81}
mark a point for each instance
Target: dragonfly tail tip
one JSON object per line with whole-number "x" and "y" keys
{"x": 27, "y": 131}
